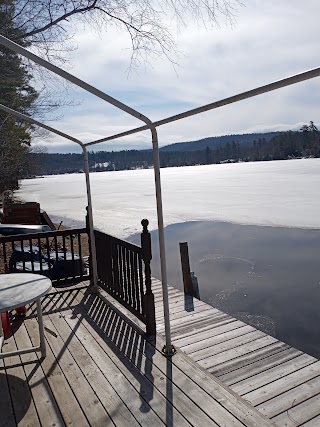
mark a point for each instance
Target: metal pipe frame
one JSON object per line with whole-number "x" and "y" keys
{"x": 86, "y": 170}
{"x": 288, "y": 81}
{"x": 42, "y": 345}
{"x": 41, "y": 329}
{"x": 169, "y": 348}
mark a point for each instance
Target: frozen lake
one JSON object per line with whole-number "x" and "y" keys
{"x": 280, "y": 193}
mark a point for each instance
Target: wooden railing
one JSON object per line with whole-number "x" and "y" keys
{"x": 123, "y": 268}
{"x": 58, "y": 254}
{"x": 124, "y": 272}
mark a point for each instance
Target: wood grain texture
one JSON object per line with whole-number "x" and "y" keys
{"x": 101, "y": 370}
{"x": 15, "y": 394}
{"x": 212, "y": 387}
{"x": 274, "y": 377}
{"x": 69, "y": 407}
{"x": 315, "y": 422}
{"x": 270, "y": 375}
{"x": 294, "y": 396}
{"x": 263, "y": 365}
{"x": 47, "y": 410}
{"x": 299, "y": 414}
{"x": 278, "y": 387}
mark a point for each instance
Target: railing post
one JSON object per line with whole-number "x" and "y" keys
{"x": 148, "y": 297}
{"x": 89, "y": 245}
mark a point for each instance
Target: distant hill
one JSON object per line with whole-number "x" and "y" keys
{"x": 221, "y": 149}
{"x": 214, "y": 142}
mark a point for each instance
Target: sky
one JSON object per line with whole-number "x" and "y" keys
{"x": 270, "y": 41}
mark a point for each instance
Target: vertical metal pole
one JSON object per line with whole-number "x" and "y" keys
{"x": 94, "y": 272}
{"x": 168, "y": 349}
{"x": 1, "y": 333}
{"x": 41, "y": 329}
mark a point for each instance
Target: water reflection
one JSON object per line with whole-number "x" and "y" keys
{"x": 266, "y": 276}
{"x": 223, "y": 270}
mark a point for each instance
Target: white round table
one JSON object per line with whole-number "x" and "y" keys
{"x": 16, "y": 290}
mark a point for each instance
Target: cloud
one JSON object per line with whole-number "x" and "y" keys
{"x": 271, "y": 40}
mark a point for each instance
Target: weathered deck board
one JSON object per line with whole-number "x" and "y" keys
{"x": 190, "y": 332}
{"x": 69, "y": 373}
{"x": 248, "y": 359}
{"x": 17, "y": 389}
{"x": 211, "y": 341}
{"x": 106, "y": 382}
{"x": 100, "y": 370}
{"x": 7, "y": 418}
{"x": 206, "y": 353}
{"x": 270, "y": 375}
{"x": 124, "y": 381}
{"x": 299, "y": 414}
{"x": 279, "y": 387}
{"x": 189, "y": 341}
{"x": 315, "y": 422}
{"x": 234, "y": 353}
{"x": 296, "y": 395}
{"x": 186, "y": 306}
{"x": 281, "y": 382}
{"x": 185, "y": 377}
{"x": 47, "y": 410}
{"x": 255, "y": 368}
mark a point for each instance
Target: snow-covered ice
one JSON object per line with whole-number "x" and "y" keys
{"x": 278, "y": 193}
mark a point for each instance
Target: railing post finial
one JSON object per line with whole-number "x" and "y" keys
{"x": 145, "y": 223}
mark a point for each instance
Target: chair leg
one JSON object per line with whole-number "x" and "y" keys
{"x": 21, "y": 311}
{"x": 5, "y": 327}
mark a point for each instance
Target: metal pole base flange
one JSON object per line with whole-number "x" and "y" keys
{"x": 94, "y": 289}
{"x": 169, "y": 350}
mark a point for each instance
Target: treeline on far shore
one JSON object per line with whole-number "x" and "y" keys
{"x": 284, "y": 145}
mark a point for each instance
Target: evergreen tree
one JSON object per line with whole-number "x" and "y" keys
{"x": 16, "y": 93}
{"x": 208, "y": 160}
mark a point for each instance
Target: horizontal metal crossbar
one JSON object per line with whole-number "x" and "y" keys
{"x": 297, "y": 78}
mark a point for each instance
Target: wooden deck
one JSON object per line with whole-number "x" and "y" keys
{"x": 281, "y": 382}
{"x": 101, "y": 371}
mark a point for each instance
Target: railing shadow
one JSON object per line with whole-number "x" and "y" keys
{"x": 55, "y": 302}
{"x": 105, "y": 321}
{"x": 125, "y": 339}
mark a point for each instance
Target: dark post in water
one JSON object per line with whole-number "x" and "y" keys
{"x": 190, "y": 282}
{"x": 185, "y": 265}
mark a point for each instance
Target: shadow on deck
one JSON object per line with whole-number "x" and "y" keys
{"x": 101, "y": 370}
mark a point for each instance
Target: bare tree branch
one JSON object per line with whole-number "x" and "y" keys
{"x": 46, "y": 24}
